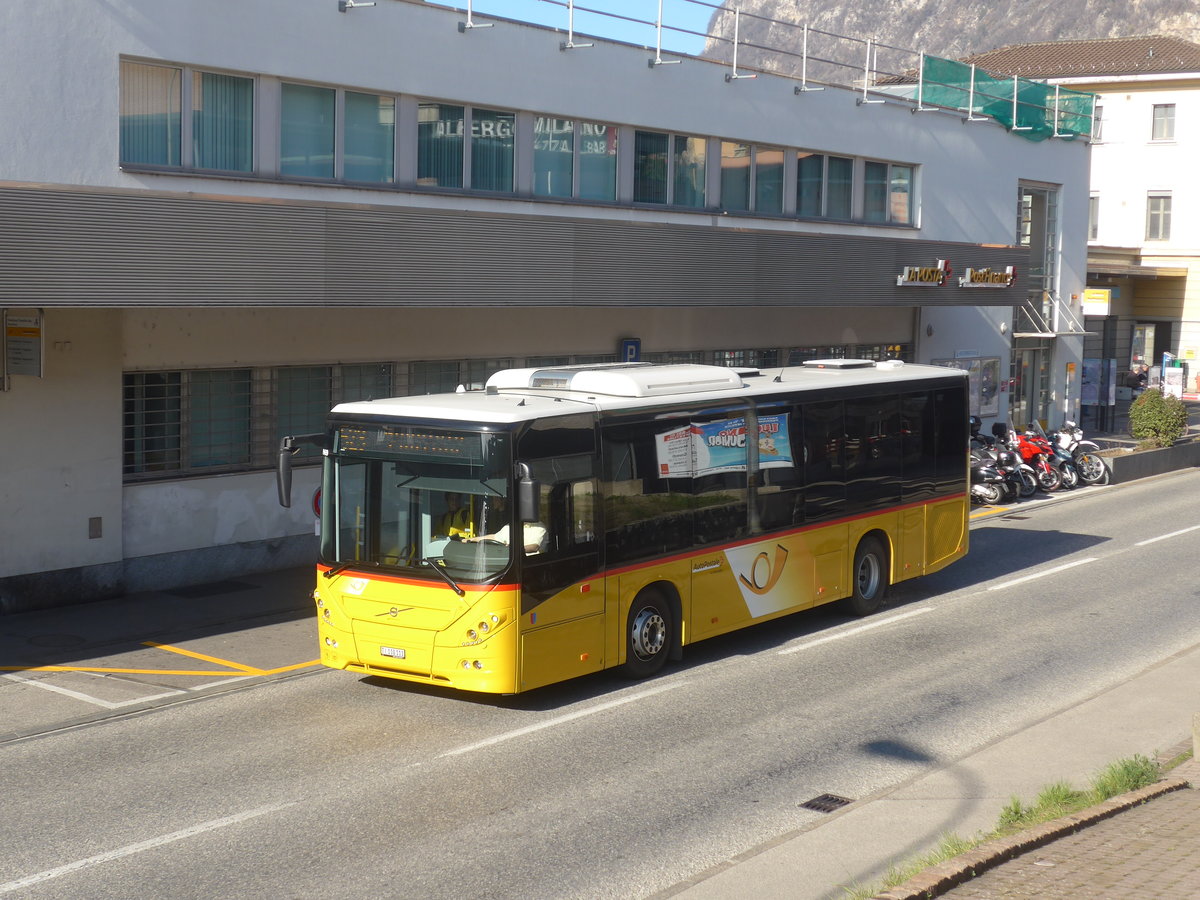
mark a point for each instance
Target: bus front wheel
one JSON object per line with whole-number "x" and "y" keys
{"x": 647, "y": 635}
{"x": 870, "y": 577}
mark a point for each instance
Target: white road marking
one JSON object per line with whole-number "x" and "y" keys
{"x": 88, "y": 698}
{"x": 561, "y": 720}
{"x": 1036, "y": 575}
{"x": 1163, "y": 537}
{"x": 140, "y": 846}
{"x": 879, "y": 623}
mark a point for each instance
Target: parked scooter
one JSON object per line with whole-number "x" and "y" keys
{"x": 1090, "y": 465}
{"x": 988, "y": 485}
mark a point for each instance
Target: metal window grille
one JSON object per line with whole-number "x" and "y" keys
{"x": 206, "y": 421}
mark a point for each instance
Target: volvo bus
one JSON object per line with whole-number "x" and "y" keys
{"x": 570, "y": 519}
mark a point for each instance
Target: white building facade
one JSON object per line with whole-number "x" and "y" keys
{"x": 218, "y": 221}
{"x": 1143, "y": 294}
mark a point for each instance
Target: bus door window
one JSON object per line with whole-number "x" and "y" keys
{"x": 779, "y": 495}
{"x": 568, "y": 552}
{"x": 825, "y": 469}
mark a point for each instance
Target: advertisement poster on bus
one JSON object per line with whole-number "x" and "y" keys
{"x": 714, "y": 447}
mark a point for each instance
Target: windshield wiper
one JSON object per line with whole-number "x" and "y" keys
{"x": 429, "y": 561}
{"x": 356, "y": 563}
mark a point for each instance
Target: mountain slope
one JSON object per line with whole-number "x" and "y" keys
{"x": 946, "y": 28}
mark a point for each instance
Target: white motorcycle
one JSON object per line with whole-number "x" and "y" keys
{"x": 1088, "y": 462}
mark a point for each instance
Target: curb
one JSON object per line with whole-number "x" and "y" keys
{"x": 937, "y": 880}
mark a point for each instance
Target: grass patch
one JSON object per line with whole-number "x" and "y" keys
{"x": 1053, "y": 802}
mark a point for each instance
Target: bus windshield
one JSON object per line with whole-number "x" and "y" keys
{"x": 414, "y": 497}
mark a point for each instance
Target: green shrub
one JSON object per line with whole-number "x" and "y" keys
{"x": 1157, "y": 418}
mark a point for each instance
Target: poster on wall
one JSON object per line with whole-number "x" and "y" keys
{"x": 714, "y": 447}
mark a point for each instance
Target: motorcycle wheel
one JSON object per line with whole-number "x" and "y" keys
{"x": 1049, "y": 480}
{"x": 1070, "y": 476}
{"x": 1091, "y": 468}
{"x": 1029, "y": 483}
{"x": 989, "y": 494}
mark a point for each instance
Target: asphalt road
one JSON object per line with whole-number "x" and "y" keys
{"x": 322, "y": 784}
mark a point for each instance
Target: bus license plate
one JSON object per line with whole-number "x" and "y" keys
{"x": 394, "y": 652}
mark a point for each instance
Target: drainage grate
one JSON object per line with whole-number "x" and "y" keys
{"x": 826, "y": 803}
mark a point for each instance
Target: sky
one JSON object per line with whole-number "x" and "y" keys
{"x": 690, "y": 15}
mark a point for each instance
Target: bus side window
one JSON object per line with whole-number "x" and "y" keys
{"x": 780, "y": 493}
{"x": 824, "y": 470}
{"x": 918, "y": 453}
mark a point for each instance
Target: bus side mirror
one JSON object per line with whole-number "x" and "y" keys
{"x": 289, "y": 445}
{"x": 527, "y": 495}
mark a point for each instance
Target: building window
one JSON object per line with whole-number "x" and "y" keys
{"x": 201, "y": 421}
{"x": 597, "y": 161}
{"x": 440, "y": 130}
{"x": 824, "y": 186}
{"x": 650, "y": 167}
{"x": 222, "y": 122}
{"x": 153, "y": 422}
{"x": 689, "y": 158}
{"x": 1097, "y": 123}
{"x": 369, "y": 138}
{"x": 736, "y": 159}
{"x": 669, "y": 169}
{"x": 306, "y": 131}
{"x": 1093, "y": 217}
{"x": 218, "y": 417}
{"x": 1163, "y": 128}
{"x": 768, "y": 180}
{"x": 553, "y": 157}
{"x": 493, "y": 150}
{"x": 151, "y": 99}
{"x": 1158, "y": 216}
{"x": 218, "y": 135}
{"x": 751, "y": 178}
{"x": 887, "y": 193}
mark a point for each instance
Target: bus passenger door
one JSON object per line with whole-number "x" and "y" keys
{"x": 562, "y": 588}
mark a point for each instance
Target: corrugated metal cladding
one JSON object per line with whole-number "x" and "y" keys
{"x": 66, "y": 248}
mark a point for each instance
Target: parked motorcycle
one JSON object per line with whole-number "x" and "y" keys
{"x": 1090, "y": 465}
{"x": 1006, "y": 440}
{"x": 1005, "y": 460}
{"x": 1060, "y": 458}
{"x": 1036, "y": 450}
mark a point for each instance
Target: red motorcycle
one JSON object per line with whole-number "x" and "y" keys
{"x": 1035, "y": 449}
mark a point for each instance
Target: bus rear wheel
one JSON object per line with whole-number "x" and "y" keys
{"x": 870, "y": 577}
{"x": 647, "y": 635}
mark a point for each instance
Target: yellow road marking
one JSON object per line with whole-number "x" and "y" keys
{"x": 103, "y": 669}
{"x": 249, "y": 670}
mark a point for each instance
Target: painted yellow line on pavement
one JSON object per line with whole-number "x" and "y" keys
{"x": 303, "y": 665}
{"x": 249, "y": 670}
{"x": 990, "y": 511}
{"x": 114, "y": 671}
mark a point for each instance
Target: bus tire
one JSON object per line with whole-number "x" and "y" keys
{"x": 648, "y": 633}
{"x": 869, "y": 577}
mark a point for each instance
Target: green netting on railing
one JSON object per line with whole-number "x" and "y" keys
{"x": 1030, "y": 108}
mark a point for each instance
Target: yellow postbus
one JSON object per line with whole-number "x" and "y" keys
{"x": 657, "y": 505}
